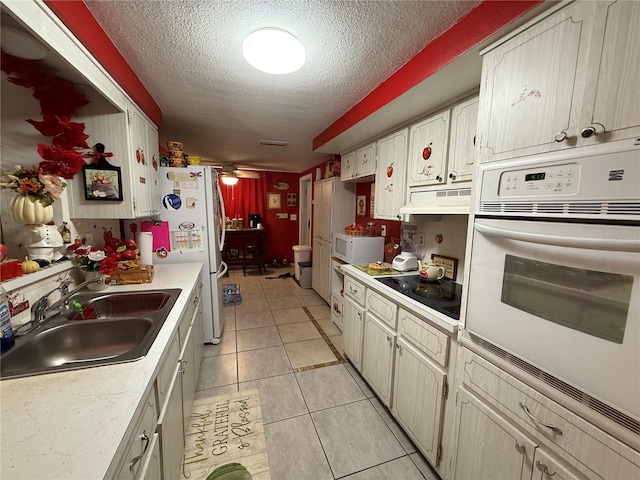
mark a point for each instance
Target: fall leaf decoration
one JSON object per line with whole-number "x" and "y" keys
{"x": 59, "y": 101}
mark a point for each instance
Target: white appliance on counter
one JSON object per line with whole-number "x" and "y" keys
{"x": 555, "y": 273}
{"x": 192, "y": 205}
{"x": 353, "y": 249}
{"x": 405, "y": 262}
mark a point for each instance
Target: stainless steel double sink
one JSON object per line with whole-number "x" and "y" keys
{"x": 114, "y": 328}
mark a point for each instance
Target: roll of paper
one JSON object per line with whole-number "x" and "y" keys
{"x": 145, "y": 245}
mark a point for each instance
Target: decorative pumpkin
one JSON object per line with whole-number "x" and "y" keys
{"x": 30, "y": 266}
{"x": 28, "y": 211}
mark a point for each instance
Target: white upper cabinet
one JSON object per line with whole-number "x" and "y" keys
{"x": 462, "y": 142}
{"x": 359, "y": 165}
{"x": 143, "y": 155}
{"x": 347, "y": 166}
{"x": 390, "y": 175}
{"x": 571, "y": 79}
{"x": 132, "y": 139}
{"x": 428, "y": 146}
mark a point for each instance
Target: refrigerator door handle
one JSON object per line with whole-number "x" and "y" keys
{"x": 224, "y": 267}
{"x": 223, "y": 234}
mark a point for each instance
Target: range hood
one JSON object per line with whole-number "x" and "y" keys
{"x": 438, "y": 202}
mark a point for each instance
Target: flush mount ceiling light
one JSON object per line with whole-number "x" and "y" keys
{"x": 272, "y": 50}
{"x": 229, "y": 179}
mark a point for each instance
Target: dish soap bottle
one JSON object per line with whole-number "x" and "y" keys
{"x": 7, "y": 340}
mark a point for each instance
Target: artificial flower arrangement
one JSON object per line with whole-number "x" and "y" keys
{"x": 43, "y": 187}
{"x": 115, "y": 254}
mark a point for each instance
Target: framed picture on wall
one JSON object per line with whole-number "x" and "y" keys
{"x": 273, "y": 200}
{"x": 361, "y": 205}
{"x": 102, "y": 182}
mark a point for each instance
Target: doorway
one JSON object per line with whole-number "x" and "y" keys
{"x": 304, "y": 214}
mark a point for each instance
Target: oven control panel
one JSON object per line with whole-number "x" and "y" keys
{"x": 540, "y": 181}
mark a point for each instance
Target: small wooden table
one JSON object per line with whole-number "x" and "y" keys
{"x": 236, "y": 240}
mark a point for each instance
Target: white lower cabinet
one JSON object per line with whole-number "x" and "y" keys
{"x": 138, "y": 457}
{"x": 156, "y": 448}
{"x": 152, "y": 469}
{"x": 505, "y": 429}
{"x": 377, "y": 356}
{"x": 488, "y": 446}
{"x": 405, "y": 360}
{"x": 170, "y": 428}
{"x": 353, "y": 320}
{"x": 492, "y": 448}
{"x": 418, "y": 398}
{"x": 178, "y": 400}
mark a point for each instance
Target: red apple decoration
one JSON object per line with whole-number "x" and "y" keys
{"x": 426, "y": 153}
{"x": 3, "y": 252}
{"x": 390, "y": 170}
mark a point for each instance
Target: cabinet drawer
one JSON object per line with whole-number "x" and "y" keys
{"x": 427, "y": 338}
{"x": 166, "y": 372}
{"x": 354, "y": 290}
{"x": 382, "y": 308}
{"x": 139, "y": 447}
{"x": 601, "y": 455}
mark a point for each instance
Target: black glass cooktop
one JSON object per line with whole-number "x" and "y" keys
{"x": 441, "y": 295}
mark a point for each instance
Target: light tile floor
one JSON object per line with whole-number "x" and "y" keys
{"x": 321, "y": 419}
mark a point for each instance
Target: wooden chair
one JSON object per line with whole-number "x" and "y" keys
{"x": 252, "y": 255}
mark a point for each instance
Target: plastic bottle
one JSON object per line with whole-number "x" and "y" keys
{"x": 7, "y": 340}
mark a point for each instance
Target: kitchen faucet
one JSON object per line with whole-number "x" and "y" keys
{"x": 41, "y": 307}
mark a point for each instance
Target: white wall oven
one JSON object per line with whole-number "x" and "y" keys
{"x": 555, "y": 272}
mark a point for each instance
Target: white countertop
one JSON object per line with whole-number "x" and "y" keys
{"x": 69, "y": 425}
{"x": 444, "y": 323}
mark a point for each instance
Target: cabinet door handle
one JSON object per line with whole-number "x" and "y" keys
{"x": 520, "y": 448}
{"x": 553, "y": 428}
{"x": 439, "y": 178}
{"x": 592, "y": 130}
{"x": 561, "y": 136}
{"x": 453, "y": 175}
{"x": 544, "y": 469}
{"x": 145, "y": 440}
{"x": 388, "y": 338}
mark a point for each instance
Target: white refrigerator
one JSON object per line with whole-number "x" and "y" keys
{"x": 192, "y": 205}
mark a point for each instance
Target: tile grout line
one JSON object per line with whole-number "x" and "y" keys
{"x": 326, "y": 338}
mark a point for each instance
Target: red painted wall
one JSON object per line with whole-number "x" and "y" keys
{"x": 281, "y": 234}
{"x": 393, "y": 226}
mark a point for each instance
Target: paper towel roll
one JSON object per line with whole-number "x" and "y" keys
{"x": 145, "y": 245}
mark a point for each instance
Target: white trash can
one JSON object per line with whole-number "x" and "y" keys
{"x": 301, "y": 253}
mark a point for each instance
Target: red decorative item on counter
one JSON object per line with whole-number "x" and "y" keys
{"x": 10, "y": 269}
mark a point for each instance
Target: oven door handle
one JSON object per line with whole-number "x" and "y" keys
{"x": 617, "y": 244}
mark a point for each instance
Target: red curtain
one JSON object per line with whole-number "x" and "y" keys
{"x": 247, "y": 196}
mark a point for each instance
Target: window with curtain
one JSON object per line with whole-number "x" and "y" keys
{"x": 247, "y": 196}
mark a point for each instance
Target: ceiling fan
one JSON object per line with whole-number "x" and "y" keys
{"x": 229, "y": 173}
{"x": 232, "y": 171}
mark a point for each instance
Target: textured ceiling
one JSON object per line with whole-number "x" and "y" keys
{"x": 188, "y": 54}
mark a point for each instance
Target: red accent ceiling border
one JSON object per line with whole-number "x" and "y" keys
{"x": 79, "y": 19}
{"x": 483, "y": 21}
